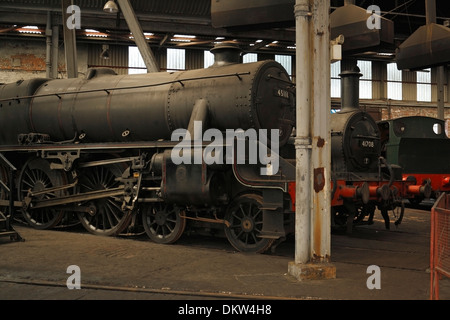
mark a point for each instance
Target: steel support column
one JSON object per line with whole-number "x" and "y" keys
{"x": 440, "y": 92}
{"x": 138, "y": 34}
{"x": 312, "y": 233}
{"x": 70, "y": 42}
{"x": 447, "y": 71}
{"x": 48, "y": 53}
{"x": 303, "y": 204}
{"x": 52, "y": 40}
{"x": 55, "y": 52}
{"x": 430, "y": 10}
{"x": 321, "y": 134}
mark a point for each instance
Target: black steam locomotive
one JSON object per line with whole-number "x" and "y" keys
{"x": 362, "y": 179}
{"x": 169, "y": 150}
{"x": 109, "y": 148}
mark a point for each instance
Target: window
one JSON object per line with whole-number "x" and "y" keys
{"x": 424, "y": 85}
{"x": 437, "y": 128}
{"x": 208, "y": 59}
{"x": 285, "y": 61}
{"x": 335, "y": 79}
{"x": 250, "y": 57}
{"x": 365, "y": 82}
{"x": 176, "y": 60}
{"x": 394, "y": 82}
{"x": 135, "y": 62}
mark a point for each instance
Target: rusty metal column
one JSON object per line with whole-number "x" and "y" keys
{"x": 303, "y": 204}
{"x": 321, "y": 136}
{"x": 313, "y": 240}
{"x": 138, "y": 34}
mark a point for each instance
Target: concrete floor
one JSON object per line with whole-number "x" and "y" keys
{"x": 201, "y": 267}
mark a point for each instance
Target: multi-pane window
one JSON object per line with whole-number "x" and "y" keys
{"x": 365, "y": 82}
{"x": 285, "y": 61}
{"x": 176, "y": 60}
{"x": 335, "y": 70}
{"x": 250, "y": 57}
{"x": 208, "y": 59}
{"x": 424, "y": 85}
{"x": 135, "y": 62}
{"x": 394, "y": 82}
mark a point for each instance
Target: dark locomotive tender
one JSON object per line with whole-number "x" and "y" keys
{"x": 100, "y": 148}
{"x": 421, "y": 147}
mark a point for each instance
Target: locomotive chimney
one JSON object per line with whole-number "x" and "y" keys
{"x": 350, "y": 89}
{"x": 226, "y": 53}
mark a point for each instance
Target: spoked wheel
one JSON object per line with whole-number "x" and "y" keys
{"x": 163, "y": 223}
{"x": 36, "y": 176}
{"x": 108, "y": 218}
{"x": 246, "y": 223}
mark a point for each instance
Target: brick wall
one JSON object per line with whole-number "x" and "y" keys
{"x": 23, "y": 60}
{"x": 394, "y": 112}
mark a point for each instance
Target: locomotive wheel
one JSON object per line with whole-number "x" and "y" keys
{"x": 108, "y": 219}
{"x": 246, "y": 223}
{"x": 36, "y": 175}
{"x": 163, "y": 223}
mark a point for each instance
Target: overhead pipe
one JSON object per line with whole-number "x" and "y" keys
{"x": 430, "y": 10}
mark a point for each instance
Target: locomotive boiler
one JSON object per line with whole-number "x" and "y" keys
{"x": 104, "y": 107}
{"x": 101, "y": 148}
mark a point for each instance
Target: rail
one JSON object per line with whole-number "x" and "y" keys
{"x": 440, "y": 243}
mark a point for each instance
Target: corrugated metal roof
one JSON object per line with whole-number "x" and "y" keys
{"x": 200, "y": 8}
